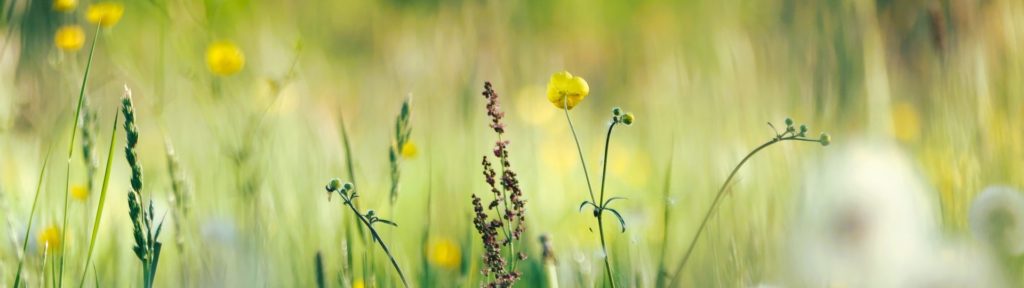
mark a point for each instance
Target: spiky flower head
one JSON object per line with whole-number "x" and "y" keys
{"x": 132, "y": 134}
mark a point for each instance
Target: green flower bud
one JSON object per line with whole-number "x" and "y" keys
{"x": 825, "y": 139}
{"x": 347, "y": 186}
{"x": 803, "y": 129}
{"x": 333, "y": 185}
{"x": 616, "y": 111}
{"x": 789, "y": 122}
{"x": 627, "y": 119}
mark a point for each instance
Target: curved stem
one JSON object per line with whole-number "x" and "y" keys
{"x": 579, "y": 149}
{"x": 604, "y": 163}
{"x": 600, "y": 223}
{"x": 376, "y": 237}
{"x": 718, "y": 198}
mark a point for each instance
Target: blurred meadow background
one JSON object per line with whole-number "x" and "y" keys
{"x": 924, "y": 100}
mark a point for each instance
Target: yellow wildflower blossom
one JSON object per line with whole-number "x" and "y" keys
{"x": 50, "y": 237}
{"x": 105, "y": 14}
{"x": 444, "y": 253}
{"x": 409, "y": 150}
{"x": 80, "y": 192}
{"x": 564, "y": 87}
{"x": 69, "y": 38}
{"x": 224, "y": 58}
{"x": 64, "y": 5}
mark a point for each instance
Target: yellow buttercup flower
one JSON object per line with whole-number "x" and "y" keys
{"x": 563, "y": 86}
{"x": 105, "y": 14}
{"x": 50, "y": 237}
{"x": 444, "y": 253}
{"x": 224, "y": 58}
{"x": 64, "y": 5}
{"x": 69, "y": 38}
{"x": 409, "y": 150}
{"x": 906, "y": 122}
{"x": 80, "y": 192}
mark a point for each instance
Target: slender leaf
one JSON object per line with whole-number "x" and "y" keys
{"x": 103, "y": 200}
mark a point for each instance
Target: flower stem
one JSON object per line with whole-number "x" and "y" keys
{"x": 579, "y": 149}
{"x": 600, "y": 223}
{"x": 718, "y": 198}
{"x": 376, "y": 237}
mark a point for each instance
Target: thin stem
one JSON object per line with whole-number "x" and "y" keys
{"x": 376, "y": 237}
{"x": 607, "y": 263}
{"x": 71, "y": 150}
{"x": 579, "y": 149}
{"x": 28, "y": 229}
{"x": 506, "y": 226}
{"x": 600, "y": 222}
{"x": 718, "y": 198}
{"x": 604, "y": 165}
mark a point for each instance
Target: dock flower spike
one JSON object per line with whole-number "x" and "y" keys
{"x": 565, "y": 90}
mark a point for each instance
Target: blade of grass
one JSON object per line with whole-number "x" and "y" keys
{"x": 71, "y": 150}
{"x": 103, "y": 200}
{"x": 28, "y": 230}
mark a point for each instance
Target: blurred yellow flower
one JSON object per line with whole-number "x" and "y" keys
{"x": 224, "y": 58}
{"x": 409, "y": 150}
{"x": 69, "y": 38}
{"x": 64, "y": 5}
{"x": 906, "y": 123}
{"x": 80, "y": 192}
{"x": 444, "y": 253}
{"x": 358, "y": 284}
{"x": 105, "y": 14}
{"x": 563, "y": 85}
{"x": 50, "y": 237}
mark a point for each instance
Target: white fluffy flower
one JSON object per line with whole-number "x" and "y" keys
{"x": 997, "y": 218}
{"x": 865, "y": 220}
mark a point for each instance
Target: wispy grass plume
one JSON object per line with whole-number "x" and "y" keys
{"x": 398, "y": 142}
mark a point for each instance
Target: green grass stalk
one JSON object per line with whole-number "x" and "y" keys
{"x": 103, "y": 200}
{"x": 31, "y": 213}
{"x": 71, "y": 150}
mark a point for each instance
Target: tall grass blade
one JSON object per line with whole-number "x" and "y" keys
{"x": 103, "y": 200}
{"x": 71, "y": 150}
{"x": 28, "y": 230}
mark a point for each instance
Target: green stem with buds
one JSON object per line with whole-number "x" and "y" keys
{"x": 792, "y": 136}
{"x": 347, "y": 200}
